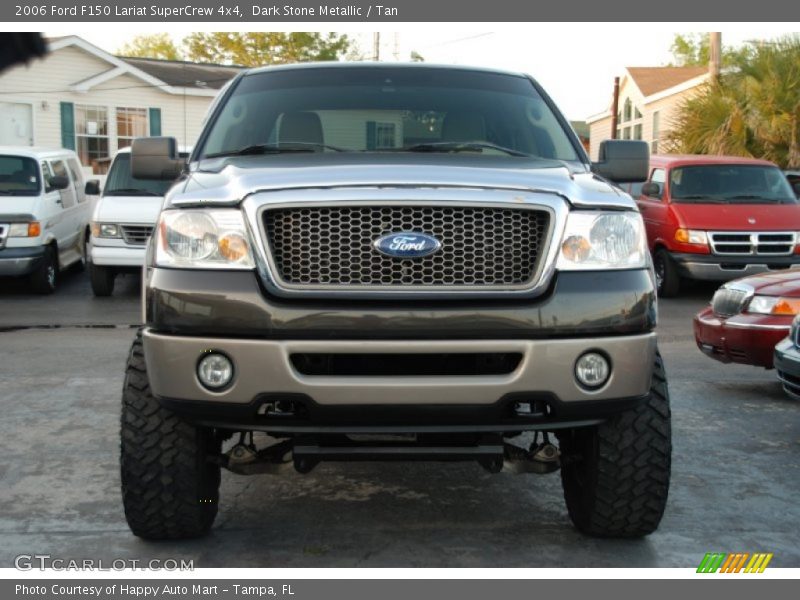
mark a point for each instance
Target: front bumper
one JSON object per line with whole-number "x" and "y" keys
{"x": 745, "y": 339}
{"x": 118, "y": 256}
{"x": 190, "y": 312}
{"x": 787, "y": 365}
{"x": 712, "y": 267}
{"x": 231, "y": 304}
{"x": 265, "y": 372}
{"x": 20, "y": 261}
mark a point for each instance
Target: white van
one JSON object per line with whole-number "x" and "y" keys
{"x": 123, "y": 220}
{"x": 44, "y": 214}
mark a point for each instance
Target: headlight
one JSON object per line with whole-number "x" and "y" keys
{"x": 773, "y": 305}
{"x": 691, "y": 236}
{"x": 603, "y": 240}
{"x": 203, "y": 239}
{"x": 32, "y": 229}
{"x": 105, "y": 230}
{"x": 793, "y": 330}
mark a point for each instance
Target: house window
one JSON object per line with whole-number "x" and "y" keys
{"x": 637, "y": 131}
{"x": 626, "y": 133}
{"x": 91, "y": 133}
{"x": 656, "y": 132}
{"x": 131, "y": 123}
{"x": 627, "y": 110}
{"x": 380, "y": 136}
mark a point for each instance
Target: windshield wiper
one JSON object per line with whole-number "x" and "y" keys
{"x": 460, "y": 147}
{"x": 278, "y": 148}
{"x": 700, "y": 198}
{"x": 131, "y": 192}
{"x": 753, "y": 197}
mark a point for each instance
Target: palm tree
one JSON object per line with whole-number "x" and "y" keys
{"x": 753, "y": 110}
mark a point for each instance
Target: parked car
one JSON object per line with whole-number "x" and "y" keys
{"x": 748, "y": 316}
{"x": 421, "y": 253}
{"x": 787, "y": 360}
{"x": 122, "y": 222}
{"x": 718, "y": 218}
{"x": 44, "y": 214}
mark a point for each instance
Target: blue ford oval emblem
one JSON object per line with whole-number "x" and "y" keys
{"x": 407, "y": 245}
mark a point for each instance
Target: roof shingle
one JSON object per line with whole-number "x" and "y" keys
{"x": 185, "y": 74}
{"x": 651, "y": 80}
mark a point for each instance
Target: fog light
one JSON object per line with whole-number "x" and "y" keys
{"x": 592, "y": 370}
{"x": 215, "y": 370}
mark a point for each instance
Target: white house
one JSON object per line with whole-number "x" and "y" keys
{"x": 83, "y": 98}
{"x": 648, "y": 100}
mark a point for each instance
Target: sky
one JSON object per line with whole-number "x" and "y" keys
{"x": 575, "y": 62}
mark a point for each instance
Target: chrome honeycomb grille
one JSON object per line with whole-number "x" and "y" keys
{"x": 332, "y": 246}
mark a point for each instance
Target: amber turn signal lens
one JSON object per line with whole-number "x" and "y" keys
{"x": 682, "y": 235}
{"x": 233, "y": 247}
{"x": 576, "y": 248}
{"x": 786, "y": 306}
{"x": 34, "y": 229}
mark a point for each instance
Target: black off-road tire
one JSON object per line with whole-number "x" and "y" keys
{"x": 616, "y": 475}
{"x": 102, "y": 279}
{"x": 667, "y": 276}
{"x": 45, "y": 278}
{"x": 170, "y": 490}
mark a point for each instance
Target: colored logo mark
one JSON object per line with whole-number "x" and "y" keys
{"x": 738, "y": 562}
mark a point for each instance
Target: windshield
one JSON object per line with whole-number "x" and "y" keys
{"x": 121, "y": 183}
{"x": 19, "y": 176}
{"x": 730, "y": 184}
{"x": 379, "y": 109}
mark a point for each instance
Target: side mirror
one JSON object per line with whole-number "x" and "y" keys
{"x": 92, "y": 187}
{"x": 623, "y": 161}
{"x": 156, "y": 158}
{"x": 653, "y": 190}
{"x": 58, "y": 182}
{"x": 796, "y": 188}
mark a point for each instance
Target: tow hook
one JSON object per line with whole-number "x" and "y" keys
{"x": 541, "y": 458}
{"x": 245, "y": 459}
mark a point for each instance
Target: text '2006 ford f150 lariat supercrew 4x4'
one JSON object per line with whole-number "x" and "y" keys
{"x": 394, "y": 262}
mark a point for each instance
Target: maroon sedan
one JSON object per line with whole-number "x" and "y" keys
{"x": 748, "y": 316}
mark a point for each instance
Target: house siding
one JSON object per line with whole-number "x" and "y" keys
{"x": 667, "y": 108}
{"x": 598, "y": 131}
{"x": 44, "y": 84}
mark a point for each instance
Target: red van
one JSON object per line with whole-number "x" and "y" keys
{"x": 717, "y": 218}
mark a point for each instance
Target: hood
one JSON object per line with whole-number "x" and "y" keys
{"x": 739, "y": 217}
{"x": 18, "y": 205}
{"x": 778, "y": 283}
{"x": 128, "y": 209}
{"x": 229, "y": 180}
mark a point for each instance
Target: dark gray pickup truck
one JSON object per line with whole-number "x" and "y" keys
{"x": 394, "y": 262}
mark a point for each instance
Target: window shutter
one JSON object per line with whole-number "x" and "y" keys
{"x": 68, "y": 125}
{"x": 371, "y": 141}
{"x": 155, "y": 121}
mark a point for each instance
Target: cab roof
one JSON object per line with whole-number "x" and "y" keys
{"x": 37, "y": 152}
{"x": 382, "y": 65}
{"x": 682, "y": 160}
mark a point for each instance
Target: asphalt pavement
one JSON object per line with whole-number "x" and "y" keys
{"x": 735, "y": 481}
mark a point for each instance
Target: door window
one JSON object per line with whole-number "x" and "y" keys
{"x": 60, "y": 170}
{"x": 658, "y": 176}
{"x": 47, "y": 173}
{"x": 77, "y": 179}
